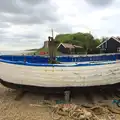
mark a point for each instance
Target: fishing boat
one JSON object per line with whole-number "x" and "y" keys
{"x": 37, "y": 72}
{"x": 69, "y": 72}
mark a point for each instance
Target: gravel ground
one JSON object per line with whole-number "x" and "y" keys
{"x": 10, "y": 109}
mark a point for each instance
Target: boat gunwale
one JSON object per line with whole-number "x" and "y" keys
{"x": 58, "y": 65}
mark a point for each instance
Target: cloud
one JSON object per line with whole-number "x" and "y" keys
{"x": 61, "y": 27}
{"x": 99, "y": 3}
{"x": 18, "y": 19}
{"x": 10, "y": 6}
{"x": 29, "y": 36}
{"x": 26, "y": 24}
{"x": 35, "y": 2}
{"x": 18, "y": 12}
{"x": 4, "y": 25}
{"x": 20, "y": 6}
{"x": 28, "y": 19}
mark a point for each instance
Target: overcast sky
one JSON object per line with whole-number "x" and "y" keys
{"x": 26, "y": 24}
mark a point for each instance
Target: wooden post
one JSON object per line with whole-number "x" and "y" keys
{"x": 49, "y": 49}
{"x": 67, "y": 96}
{"x": 52, "y": 49}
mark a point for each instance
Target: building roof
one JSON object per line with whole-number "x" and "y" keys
{"x": 76, "y": 46}
{"x": 67, "y": 45}
{"x": 115, "y": 38}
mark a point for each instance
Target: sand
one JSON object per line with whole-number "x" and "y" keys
{"x": 10, "y": 109}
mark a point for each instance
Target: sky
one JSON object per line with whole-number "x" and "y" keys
{"x": 26, "y": 24}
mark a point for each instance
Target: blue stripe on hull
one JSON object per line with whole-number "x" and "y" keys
{"x": 56, "y": 65}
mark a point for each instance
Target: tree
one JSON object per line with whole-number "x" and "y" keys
{"x": 104, "y": 38}
{"x": 86, "y": 40}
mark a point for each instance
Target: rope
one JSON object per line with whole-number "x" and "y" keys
{"x": 84, "y": 112}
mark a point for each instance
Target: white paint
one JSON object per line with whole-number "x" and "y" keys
{"x": 60, "y": 76}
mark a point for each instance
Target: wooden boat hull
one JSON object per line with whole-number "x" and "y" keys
{"x": 56, "y": 76}
{"x": 61, "y": 90}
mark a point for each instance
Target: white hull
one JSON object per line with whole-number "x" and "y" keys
{"x": 60, "y": 76}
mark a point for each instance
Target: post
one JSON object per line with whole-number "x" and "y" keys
{"x": 52, "y": 49}
{"x": 67, "y": 96}
{"x": 49, "y": 51}
{"x": 24, "y": 58}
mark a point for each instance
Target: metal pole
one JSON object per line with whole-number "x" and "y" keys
{"x": 52, "y": 34}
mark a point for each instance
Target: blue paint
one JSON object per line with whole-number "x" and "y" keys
{"x": 55, "y": 65}
{"x": 43, "y": 61}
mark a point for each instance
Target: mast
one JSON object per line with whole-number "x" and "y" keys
{"x": 52, "y": 33}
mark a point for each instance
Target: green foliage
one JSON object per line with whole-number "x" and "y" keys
{"x": 86, "y": 40}
{"x": 104, "y": 38}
